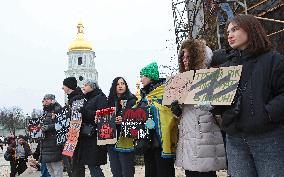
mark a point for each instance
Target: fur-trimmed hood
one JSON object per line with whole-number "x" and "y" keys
{"x": 200, "y": 54}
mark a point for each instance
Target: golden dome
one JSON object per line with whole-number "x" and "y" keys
{"x": 79, "y": 43}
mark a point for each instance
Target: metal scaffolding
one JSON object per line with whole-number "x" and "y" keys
{"x": 191, "y": 17}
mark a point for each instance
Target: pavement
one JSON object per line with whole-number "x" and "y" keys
{"x": 139, "y": 170}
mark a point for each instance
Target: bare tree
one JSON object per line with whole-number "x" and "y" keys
{"x": 12, "y": 118}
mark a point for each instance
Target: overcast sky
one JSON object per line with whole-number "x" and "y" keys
{"x": 35, "y": 35}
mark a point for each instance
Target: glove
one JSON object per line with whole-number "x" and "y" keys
{"x": 176, "y": 108}
{"x": 204, "y": 106}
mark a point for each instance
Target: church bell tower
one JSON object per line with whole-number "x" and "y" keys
{"x": 81, "y": 64}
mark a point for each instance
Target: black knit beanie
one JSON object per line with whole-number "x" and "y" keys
{"x": 70, "y": 82}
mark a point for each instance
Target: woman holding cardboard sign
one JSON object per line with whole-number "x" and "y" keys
{"x": 254, "y": 123}
{"x": 200, "y": 149}
{"x": 121, "y": 155}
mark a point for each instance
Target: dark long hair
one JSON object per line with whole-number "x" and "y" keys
{"x": 258, "y": 41}
{"x": 112, "y": 91}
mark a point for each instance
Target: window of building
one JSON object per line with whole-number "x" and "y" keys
{"x": 80, "y": 61}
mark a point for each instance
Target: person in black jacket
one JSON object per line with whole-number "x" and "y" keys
{"x": 20, "y": 150}
{"x": 121, "y": 155}
{"x": 254, "y": 123}
{"x": 87, "y": 151}
{"x": 50, "y": 152}
{"x": 73, "y": 93}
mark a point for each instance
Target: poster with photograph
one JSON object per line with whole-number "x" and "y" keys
{"x": 106, "y": 126}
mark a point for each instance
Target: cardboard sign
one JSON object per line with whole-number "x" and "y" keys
{"x": 106, "y": 126}
{"x": 34, "y": 128}
{"x": 216, "y": 85}
{"x": 133, "y": 123}
{"x": 62, "y": 124}
{"x": 177, "y": 87}
{"x": 74, "y": 129}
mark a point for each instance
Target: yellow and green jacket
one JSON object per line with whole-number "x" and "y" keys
{"x": 166, "y": 126}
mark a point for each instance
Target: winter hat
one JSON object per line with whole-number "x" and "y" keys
{"x": 151, "y": 71}
{"x": 49, "y": 97}
{"x": 70, "y": 82}
{"x": 92, "y": 83}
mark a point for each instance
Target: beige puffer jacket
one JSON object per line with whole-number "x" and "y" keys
{"x": 200, "y": 146}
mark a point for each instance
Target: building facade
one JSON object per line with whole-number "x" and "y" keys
{"x": 81, "y": 57}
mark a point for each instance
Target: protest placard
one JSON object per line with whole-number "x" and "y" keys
{"x": 177, "y": 87}
{"x": 73, "y": 135}
{"x": 74, "y": 129}
{"x": 106, "y": 126}
{"x": 133, "y": 123}
{"x": 216, "y": 85}
{"x": 34, "y": 128}
{"x": 62, "y": 123}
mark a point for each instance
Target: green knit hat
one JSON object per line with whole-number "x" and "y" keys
{"x": 151, "y": 71}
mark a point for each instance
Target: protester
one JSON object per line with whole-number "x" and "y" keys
{"x": 50, "y": 152}
{"x": 254, "y": 123}
{"x": 159, "y": 158}
{"x": 87, "y": 151}
{"x": 121, "y": 155}
{"x": 200, "y": 148}
{"x": 19, "y": 151}
{"x": 73, "y": 93}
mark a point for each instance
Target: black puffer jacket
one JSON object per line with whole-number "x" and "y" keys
{"x": 262, "y": 100}
{"x": 49, "y": 151}
{"x": 87, "y": 150}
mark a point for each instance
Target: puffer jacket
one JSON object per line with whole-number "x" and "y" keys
{"x": 262, "y": 87}
{"x": 200, "y": 146}
{"x": 49, "y": 150}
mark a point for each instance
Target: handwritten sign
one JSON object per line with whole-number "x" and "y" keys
{"x": 216, "y": 85}
{"x": 133, "y": 123}
{"x": 177, "y": 87}
{"x": 34, "y": 128}
{"x": 106, "y": 126}
{"x": 74, "y": 129}
{"x": 62, "y": 124}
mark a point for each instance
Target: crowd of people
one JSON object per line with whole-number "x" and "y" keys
{"x": 246, "y": 137}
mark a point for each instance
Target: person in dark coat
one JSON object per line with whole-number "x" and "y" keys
{"x": 121, "y": 154}
{"x": 50, "y": 152}
{"x": 20, "y": 150}
{"x": 87, "y": 151}
{"x": 254, "y": 123}
{"x": 74, "y": 93}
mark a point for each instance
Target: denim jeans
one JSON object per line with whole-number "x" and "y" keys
{"x": 55, "y": 169}
{"x": 43, "y": 170}
{"x": 96, "y": 171}
{"x": 256, "y": 156}
{"x": 121, "y": 163}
